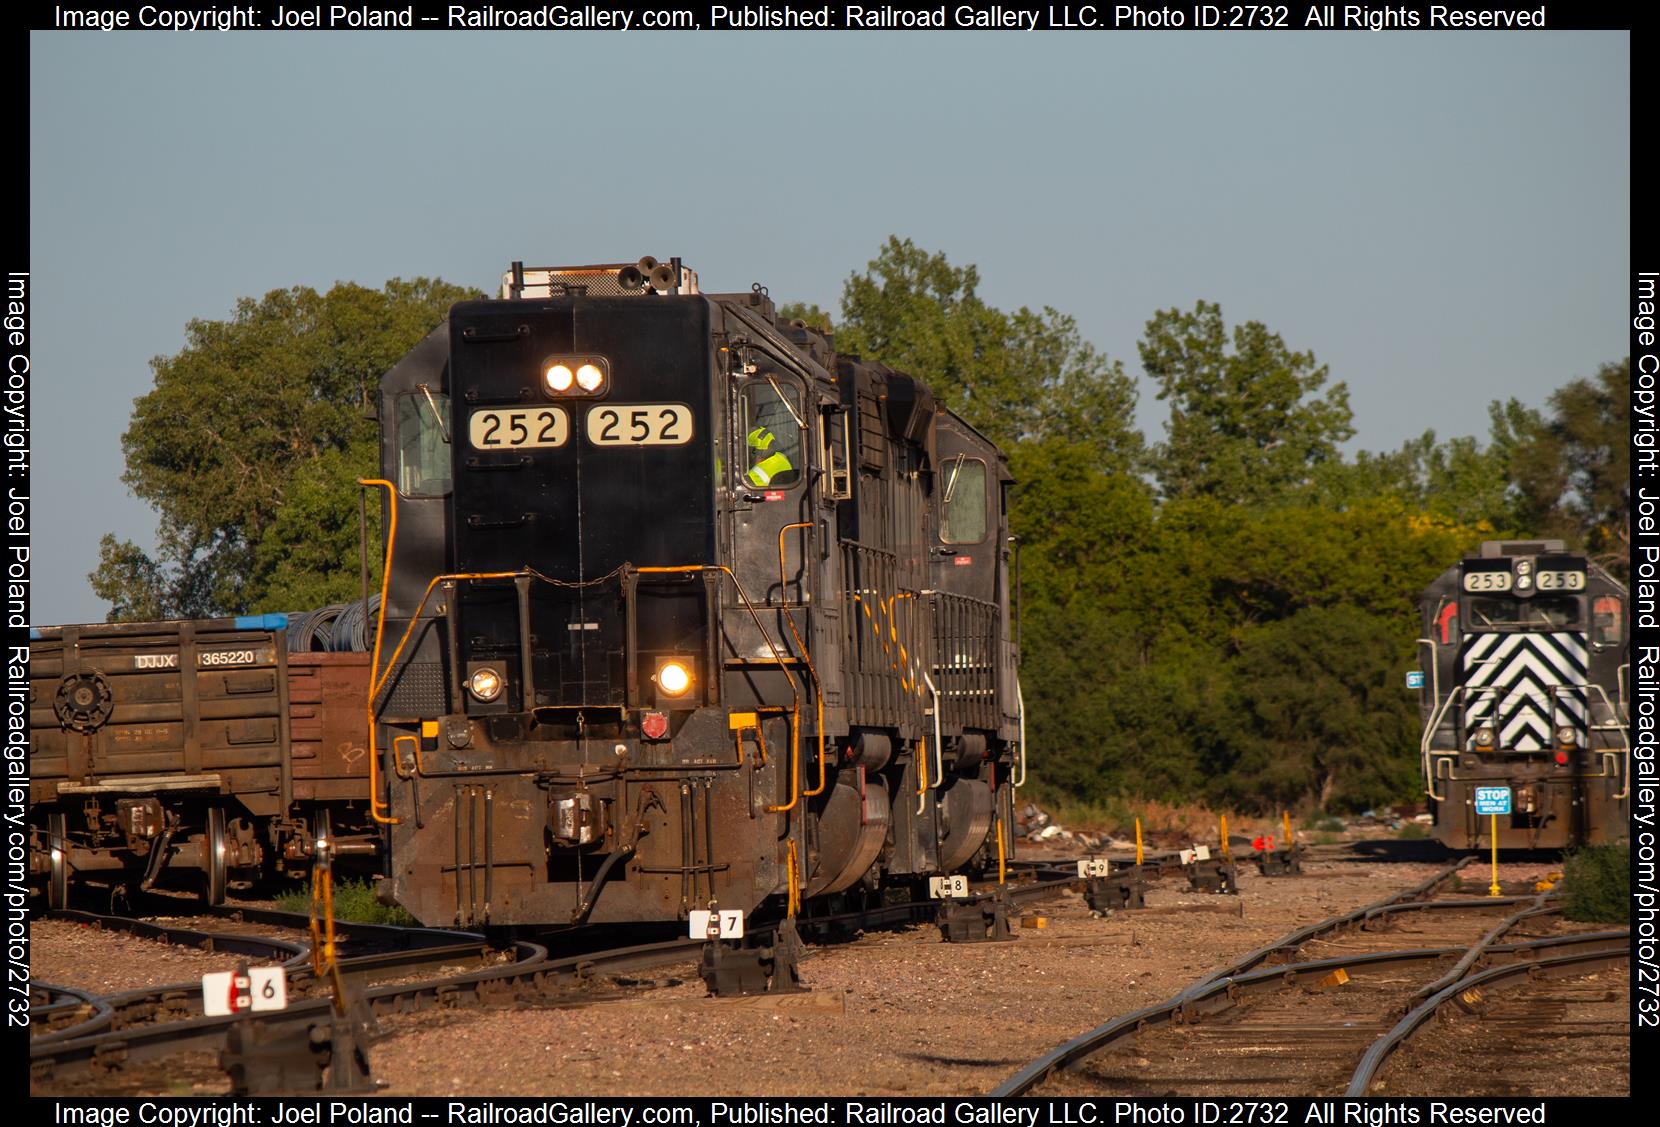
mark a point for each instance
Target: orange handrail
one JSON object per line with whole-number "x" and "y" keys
{"x": 818, "y": 692}
{"x": 795, "y": 691}
{"x": 374, "y": 662}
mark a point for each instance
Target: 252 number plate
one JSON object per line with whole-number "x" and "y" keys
{"x": 498, "y": 429}
{"x": 640, "y": 424}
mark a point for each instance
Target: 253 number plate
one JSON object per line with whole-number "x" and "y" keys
{"x": 1487, "y": 581}
{"x": 509, "y": 429}
{"x": 640, "y": 424}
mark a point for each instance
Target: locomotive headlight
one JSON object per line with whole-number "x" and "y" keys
{"x": 559, "y": 377}
{"x": 1566, "y": 736}
{"x": 589, "y": 377}
{"x": 485, "y": 684}
{"x": 1523, "y": 567}
{"x": 1484, "y": 738}
{"x": 673, "y": 678}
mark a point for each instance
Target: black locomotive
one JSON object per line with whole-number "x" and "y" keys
{"x": 1526, "y": 667}
{"x": 683, "y": 611}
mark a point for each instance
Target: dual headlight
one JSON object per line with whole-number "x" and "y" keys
{"x": 574, "y": 375}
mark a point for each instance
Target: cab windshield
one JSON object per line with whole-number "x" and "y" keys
{"x": 1557, "y": 612}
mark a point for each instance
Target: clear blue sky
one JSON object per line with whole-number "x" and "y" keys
{"x": 1444, "y": 219}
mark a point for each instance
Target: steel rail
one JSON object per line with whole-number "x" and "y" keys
{"x": 169, "y": 1037}
{"x": 1231, "y": 978}
{"x": 1223, "y": 994}
{"x": 533, "y": 969}
{"x": 254, "y": 946}
{"x": 1334, "y": 923}
{"x": 1375, "y": 1056}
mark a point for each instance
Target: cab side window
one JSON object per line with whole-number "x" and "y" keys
{"x": 423, "y": 430}
{"x": 963, "y": 504}
{"x": 770, "y": 434}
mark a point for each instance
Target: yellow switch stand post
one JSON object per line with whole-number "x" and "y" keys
{"x": 1494, "y": 891}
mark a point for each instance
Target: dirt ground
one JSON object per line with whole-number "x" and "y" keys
{"x": 891, "y": 1013}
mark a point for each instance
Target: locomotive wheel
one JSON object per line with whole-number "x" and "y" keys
{"x": 57, "y": 882}
{"x": 215, "y": 860}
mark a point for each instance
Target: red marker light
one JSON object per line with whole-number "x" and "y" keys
{"x": 654, "y": 725}
{"x": 1561, "y": 759}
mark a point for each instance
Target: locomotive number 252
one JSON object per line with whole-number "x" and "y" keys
{"x": 640, "y": 424}
{"x": 540, "y": 426}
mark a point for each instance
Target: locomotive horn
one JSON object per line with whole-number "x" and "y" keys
{"x": 647, "y": 264}
{"x": 630, "y": 278}
{"x": 662, "y": 277}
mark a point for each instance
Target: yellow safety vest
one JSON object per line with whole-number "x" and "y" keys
{"x": 762, "y": 472}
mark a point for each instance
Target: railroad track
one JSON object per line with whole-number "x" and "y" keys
{"x": 117, "y": 1031}
{"x": 1324, "y": 1025}
{"x": 67, "y": 1015}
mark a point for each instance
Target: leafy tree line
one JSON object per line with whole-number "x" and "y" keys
{"x": 1224, "y": 615}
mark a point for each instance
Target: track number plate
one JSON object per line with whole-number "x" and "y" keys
{"x": 725, "y": 924}
{"x": 524, "y": 428}
{"x": 1094, "y": 867}
{"x": 948, "y": 888}
{"x": 226, "y": 992}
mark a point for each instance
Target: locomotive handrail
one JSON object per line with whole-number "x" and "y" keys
{"x": 1020, "y": 706}
{"x": 1434, "y": 668}
{"x": 374, "y": 662}
{"x": 795, "y": 691}
{"x": 1625, "y": 740}
{"x": 818, "y": 690}
{"x": 1430, "y": 729}
{"x": 939, "y": 745}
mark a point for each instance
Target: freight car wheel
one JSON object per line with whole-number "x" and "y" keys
{"x": 57, "y": 883}
{"x": 216, "y": 847}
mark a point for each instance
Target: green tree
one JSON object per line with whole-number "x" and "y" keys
{"x": 249, "y": 447}
{"x": 1017, "y": 376}
{"x": 1572, "y": 468}
{"x": 1245, "y": 423}
{"x": 1322, "y": 717}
